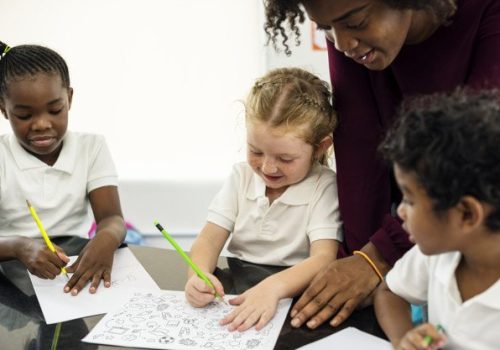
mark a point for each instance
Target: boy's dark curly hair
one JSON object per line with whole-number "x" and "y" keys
{"x": 451, "y": 142}
{"x": 278, "y": 12}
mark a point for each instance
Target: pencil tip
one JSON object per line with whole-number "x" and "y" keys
{"x": 28, "y": 203}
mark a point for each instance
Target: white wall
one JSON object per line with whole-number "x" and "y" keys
{"x": 163, "y": 81}
{"x": 310, "y": 55}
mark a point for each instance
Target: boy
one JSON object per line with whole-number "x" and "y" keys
{"x": 446, "y": 155}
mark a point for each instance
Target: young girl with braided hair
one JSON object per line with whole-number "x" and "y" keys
{"x": 276, "y": 207}
{"x": 59, "y": 172}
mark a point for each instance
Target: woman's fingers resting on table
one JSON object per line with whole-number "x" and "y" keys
{"x": 335, "y": 293}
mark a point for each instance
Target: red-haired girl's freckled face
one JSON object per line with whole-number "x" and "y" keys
{"x": 367, "y": 31}
{"x": 37, "y": 108}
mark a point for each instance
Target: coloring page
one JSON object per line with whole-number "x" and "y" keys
{"x": 165, "y": 320}
{"x": 57, "y": 306}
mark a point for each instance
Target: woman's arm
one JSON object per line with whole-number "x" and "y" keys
{"x": 484, "y": 70}
{"x": 96, "y": 259}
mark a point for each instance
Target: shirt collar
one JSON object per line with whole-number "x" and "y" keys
{"x": 297, "y": 194}
{"x": 445, "y": 272}
{"x": 490, "y": 297}
{"x": 25, "y": 161}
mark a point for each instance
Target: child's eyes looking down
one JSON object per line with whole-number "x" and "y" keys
{"x": 56, "y": 112}
{"x": 28, "y": 116}
{"x": 281, "y": 159}
{"x": 357, "y": 25}
{"x": 23, "y": 117}
{"x": 352, "y": 24}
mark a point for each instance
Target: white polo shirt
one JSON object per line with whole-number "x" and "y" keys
{"x": 59, "y": 193}
{"x": 277, "y": 234}
{"x": 474, "y": 324}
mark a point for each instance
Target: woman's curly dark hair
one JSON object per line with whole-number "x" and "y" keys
{"x": 291, "y": 13}
{"x": 451, "y": 142}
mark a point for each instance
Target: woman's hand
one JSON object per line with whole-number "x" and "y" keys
{"x": 38, "y": 259}
{"x": 198, "y": 293}
{"x": 93, "y": 264}
{"x": 336, "y": 291}
{"x": 415, "y": 339}
{"x": 257, "y": 306}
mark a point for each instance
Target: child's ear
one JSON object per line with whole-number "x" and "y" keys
{"x": 70, "y": 96}
{"x": 2, "y": 109}
{"x": 323, "y": 147}
{"x": 472, "y": 213}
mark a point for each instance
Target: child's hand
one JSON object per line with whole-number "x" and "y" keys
{"x": 93, "y": 264}
{"x": 415, "y": 338}
{"x": 257, "y": 306}
{"x": 40, "y": 261}
{"x": 198, "y": 293}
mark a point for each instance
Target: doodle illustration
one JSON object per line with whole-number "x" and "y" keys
{"x": 164, "y": 320}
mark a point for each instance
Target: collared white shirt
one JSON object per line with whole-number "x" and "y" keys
{"x": 473, "y": 324}
{"x": 59, "y": 193}
{"x": 277, "y": 234}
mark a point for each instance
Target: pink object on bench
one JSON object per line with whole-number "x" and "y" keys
{"x": 93, "y": 228}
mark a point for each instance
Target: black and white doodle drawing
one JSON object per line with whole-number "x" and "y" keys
{"x": 164, "y": 320}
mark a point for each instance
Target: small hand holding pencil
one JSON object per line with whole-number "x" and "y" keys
{"x": 205, "y": 286}
{"x": 425, "y": 337}
{"x": 38, "y": 261}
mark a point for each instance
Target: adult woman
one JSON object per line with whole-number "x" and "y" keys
{"x": 379, "y": 52}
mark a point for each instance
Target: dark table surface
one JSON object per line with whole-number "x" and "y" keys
{"x": 22, "y": 325}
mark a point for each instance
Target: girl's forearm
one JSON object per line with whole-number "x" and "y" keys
{"x": 113, "y": 226}
{"x": 206, "y": 248}
{"x": 294, "y": 280}
{"x": 9, "y": 247}
{"x": 204, "y": 255}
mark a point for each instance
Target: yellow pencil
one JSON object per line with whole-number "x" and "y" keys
{"x": 44, "y": 234}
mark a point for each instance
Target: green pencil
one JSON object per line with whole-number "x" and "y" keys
{"x": 428, "y": 339}
{"x": 186, "y": 258}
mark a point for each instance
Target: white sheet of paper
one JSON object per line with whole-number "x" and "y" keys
{"x": 57, "y": 306}
{"x": 349, "y": 338}
{"x": 165, "y": 320}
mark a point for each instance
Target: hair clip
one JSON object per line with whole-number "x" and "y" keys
{"x": 311, "y": 102}
{"x": 258, "y": 85}
{"x": 5, "y": 50}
